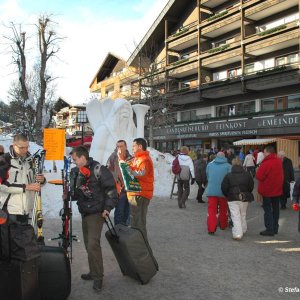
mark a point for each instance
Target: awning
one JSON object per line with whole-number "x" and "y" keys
{"x": 254, "y": 142}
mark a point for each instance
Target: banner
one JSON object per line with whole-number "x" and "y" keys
{"x": 130, "y": 182}
{"x": 54, "y": 143}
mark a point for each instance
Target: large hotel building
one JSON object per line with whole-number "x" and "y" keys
{"x": 217, "y": 72}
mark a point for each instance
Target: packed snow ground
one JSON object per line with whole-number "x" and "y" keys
{"x": 52, "y": 194}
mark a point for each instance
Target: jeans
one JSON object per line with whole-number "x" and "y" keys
{"x": 200, "y": 190}
{"x": 183, "y": 192}
{"x": 122, "y": 210}
{"x": 91, "y": 229}
{"x": 138, "y": 210}
{"x": 271, "y": 216}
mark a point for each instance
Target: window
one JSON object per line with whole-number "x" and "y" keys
{"x": 278, "y": 103}
{"x": 235, "y": 109}
{"x": 249, "y": 68}
{"x": 234, "y": 73}
{"x": 189, "y": 115}
{"x": 287, "y": 59}
{"x": 294, "y": 101}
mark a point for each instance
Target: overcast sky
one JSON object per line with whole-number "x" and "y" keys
{"x": 92, "y": 29}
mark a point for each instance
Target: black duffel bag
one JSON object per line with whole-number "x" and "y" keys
{"x": 17, "y": 240}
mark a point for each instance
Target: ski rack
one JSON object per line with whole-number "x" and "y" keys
{"x": 66, "y": 237}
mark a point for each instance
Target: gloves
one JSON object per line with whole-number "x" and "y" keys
{"x": 295, "y": 206}
{"x": 192, "y": 181}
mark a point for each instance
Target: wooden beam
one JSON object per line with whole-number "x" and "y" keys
{"x": 206, "y": 9}
{"x": 248, "y": 20}
{"x": 250, "y": 55}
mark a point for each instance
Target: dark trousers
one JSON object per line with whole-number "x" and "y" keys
{"x": 138, "y": 209}
{"x": 122, "y": 210}
{"x": 183, "y": 192}
{"x": 271, "y": 216}
{"x": 283, "y": 201}
{"x": 200, "y": 190}
{"x": 91, "y": 229}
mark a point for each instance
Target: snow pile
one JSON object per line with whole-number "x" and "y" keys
{"x": 163, "y": 176}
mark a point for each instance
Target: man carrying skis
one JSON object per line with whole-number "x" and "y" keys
{"x": 21, "y": 184}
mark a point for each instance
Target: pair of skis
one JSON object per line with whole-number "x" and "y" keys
{"x": 37, "y": 214}
{"x": 66, "y": 237}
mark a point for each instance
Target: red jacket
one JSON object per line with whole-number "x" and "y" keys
{"x": 142, "y": 168}
{"x": 270, "y": 176}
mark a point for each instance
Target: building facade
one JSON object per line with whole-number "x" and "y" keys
{"x": 231, "y": 67}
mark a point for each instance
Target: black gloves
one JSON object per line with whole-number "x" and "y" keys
{"x": 192, "y": 181}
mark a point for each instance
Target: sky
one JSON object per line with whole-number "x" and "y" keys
{"x": 90, "y": 29}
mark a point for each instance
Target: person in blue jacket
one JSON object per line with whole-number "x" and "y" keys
{"x": 216, "y": 171}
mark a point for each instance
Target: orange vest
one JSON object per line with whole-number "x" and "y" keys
{"x": 142, "y": 161}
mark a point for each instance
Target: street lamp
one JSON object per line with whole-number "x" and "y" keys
{"x": 82, "y": 119}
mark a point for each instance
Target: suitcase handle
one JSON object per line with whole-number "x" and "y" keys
{"x": 111, "y": 227}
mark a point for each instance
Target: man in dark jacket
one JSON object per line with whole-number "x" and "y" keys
{"x": 200, "y": 175}
{"x": 288, "y": 177}
{"x": 270, "y": 181}
{"x": 94, "y": 189}
{"x": 122, "y": 210}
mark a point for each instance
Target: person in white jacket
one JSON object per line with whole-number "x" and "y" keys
{"x": 21, "y": 184}
{"x": 187, "y": 172}
{"x": 249, "y": 163}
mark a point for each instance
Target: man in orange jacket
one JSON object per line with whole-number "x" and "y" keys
{"x": 141, "y": 167}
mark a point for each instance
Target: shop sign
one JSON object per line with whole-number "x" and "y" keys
{"x": 230, "y": 128}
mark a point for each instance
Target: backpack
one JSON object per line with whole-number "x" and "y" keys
{"x": 176, "y": 168}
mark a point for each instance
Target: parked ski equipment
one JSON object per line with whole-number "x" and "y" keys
{"x": 65, "y": 238}
{"x": 37, "y": 215}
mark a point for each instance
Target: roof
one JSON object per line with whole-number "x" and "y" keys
{"x": 254, "y": 142}
{"x": 172, "y": 10}
{"x": 106, "y": 67}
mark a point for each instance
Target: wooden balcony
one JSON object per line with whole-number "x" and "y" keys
{"x": 281, "y": 77}
{"x": 185, "y": 42}
{"x": 267, "y": 8}
{"x": 186, "y": 69}
{"x": 212, "y": 3}
{"x": 223, "y": 58}
{"x": 284, "y": 38}
{"x": 227, "y": 23}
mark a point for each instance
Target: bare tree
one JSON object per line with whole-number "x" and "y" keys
{"x": 35, "y": 91}
{"x": 48, "y": 47}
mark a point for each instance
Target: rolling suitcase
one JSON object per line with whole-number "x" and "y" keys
{"x": 54, "y": 274}
{"x": 19, "y": 280}
{"x": 132, "y": 252}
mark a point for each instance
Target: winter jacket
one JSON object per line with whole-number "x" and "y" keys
{"x": 216, "y": 171}
{"x": 141, "y": 167}
{"x": 260, "y": 157}
{"x": 187, "y": 167}
{"x": 288, "y": 175}
{"x": 296, "y": 191}
{"x": 200, "y": 170}
{"x": 114, "y": 167}
{"x": 20, "y": 174}
{"x": 236, "y": 182}
{"x": 95, "y": 193}
{"x": 270, "y": 176}
{"x": 249, "y": 161}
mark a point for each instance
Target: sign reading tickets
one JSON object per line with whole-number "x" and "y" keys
{"x": 54, "y": 143}
{"x": 130, "y": 182}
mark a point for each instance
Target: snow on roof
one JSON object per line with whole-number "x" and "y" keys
{"x": 254, "y": 142}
